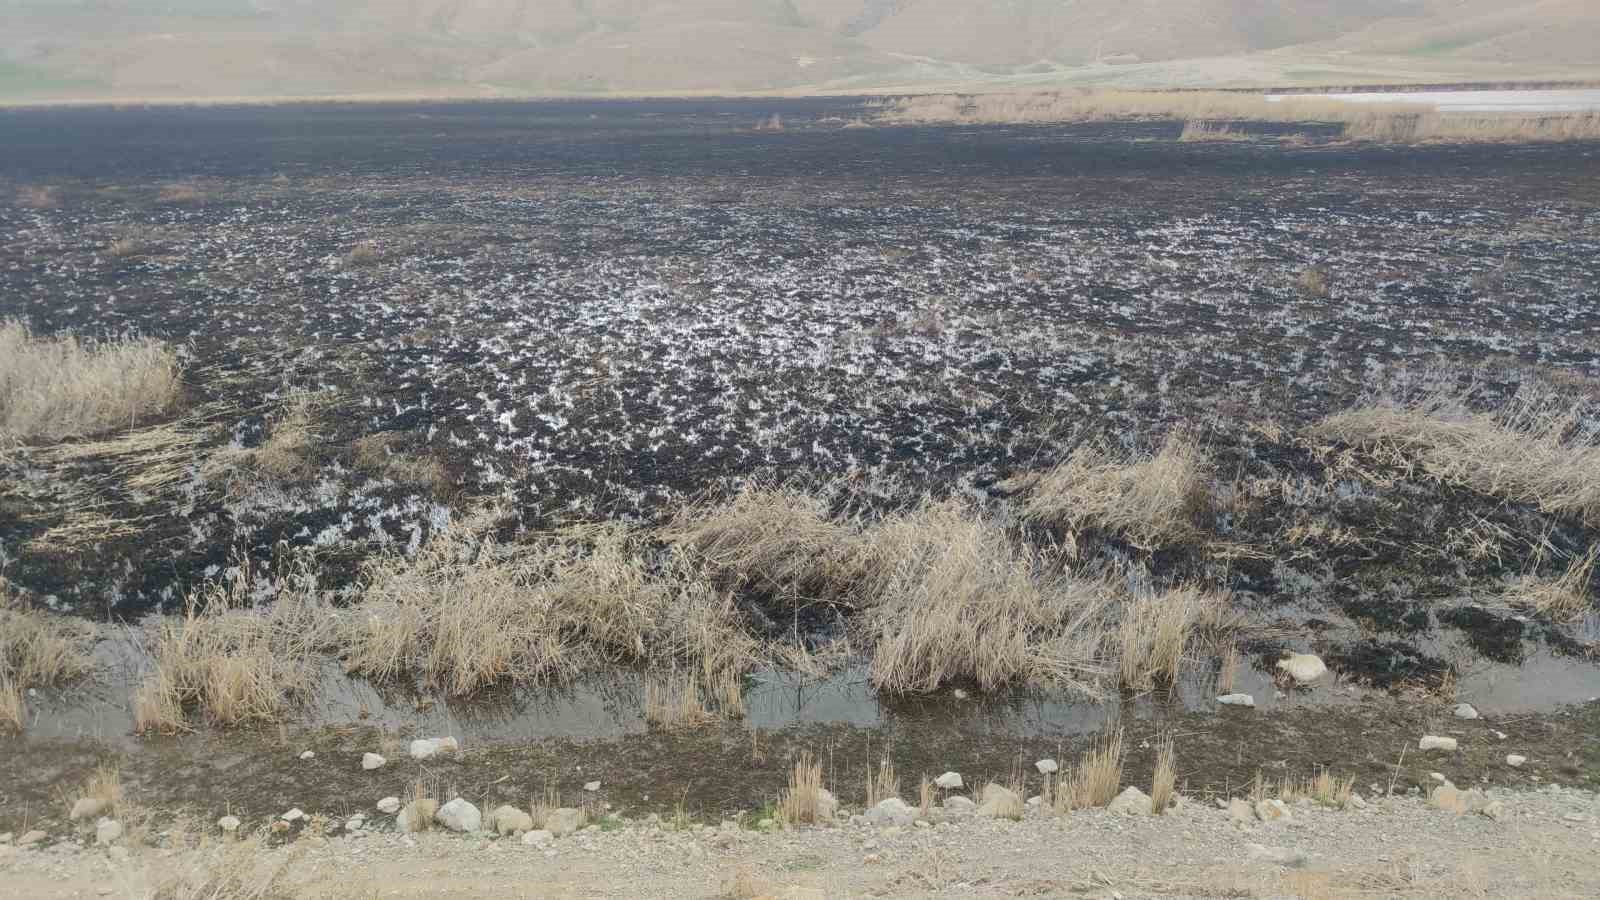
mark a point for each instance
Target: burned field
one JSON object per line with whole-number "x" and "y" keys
{"x": 1335, "y": 397}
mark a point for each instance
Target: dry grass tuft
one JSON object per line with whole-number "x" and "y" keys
{"x": 1201, "y": 131}
{"x": 799, "y": 803}
{"x": 1152, "y": 501}
{"x": 103, "y": 785}
{"x": 58, "y": 387}
{"x": 232, "y": 870}
{"x": 1330, "y": 790}
{"x": 180, "y": 193}
{"x": 1534, "y": 449}
{"x": 882, "y": 783}
{"x": 773, "y": 539}
{"x": 948, "y": 596}
{"x": 13, "y": 712}
{"x": 1005, "y": 801}
{"x": 1566, "y": 598}
{"x": 1155, "y": 632}
{"x": 362, "y": 255}
{"x": 376, "y": 455}
{"x": 466, "y": 612}
{"x": 235, "y": 663}
{"x": 1432, "y": 127}
{"x": 746, "y": 884}
{"x": 1097, "y": 779}
{"x": 36, "y": 647}
{"x": 1165, "y": 781}
{"x": 1313, "y": 282}
{"x": 925, "y": 793}
{"x": 674, "y": 702}
{"x": 37, "y": 197}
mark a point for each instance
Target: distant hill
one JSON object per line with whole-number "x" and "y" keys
{"x": 198, "y": 48}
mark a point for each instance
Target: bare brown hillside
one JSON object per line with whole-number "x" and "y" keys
{"x": 152, "y": 48}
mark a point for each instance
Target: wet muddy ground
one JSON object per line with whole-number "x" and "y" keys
{"x": 591, "y": 310}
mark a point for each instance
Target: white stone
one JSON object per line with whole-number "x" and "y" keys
{"x": 892, "y": 811}
{"x": 592, "y": 786}
{"x": 1465, "y": 711}
{"x": 308, "y": 755}
{"x": 1237, "y": 700}
{"x": 1271, "y": 810}
{"x": 89, "y": 808}
{"x": 293, "y": 815}
{"x": 424, "y": 748}
{"x": 1131, "y": 802}
{"x": 230, "y": 824}
{"x": 370, "y": 761}
{"x": 950, "y": 781}
{"x": 960, "y": 806}
{"x": 511, "y": 820}
{"x": 1434, "y": 742}
{"x": 539, "y": 838}
{"x": 1515, "y": 760}
{"x": 459, "y": 815}
{"x": 1282, "y": 856}
{"x": 1047, "y": 766}
{"x": 389, "y": 805}
{"x": 107, "y": 831}
{"x": 1437, "y": 776}
{"x": 1303, "y": 667}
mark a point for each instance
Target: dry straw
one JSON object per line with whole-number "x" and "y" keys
{"x": 65, "y": 386}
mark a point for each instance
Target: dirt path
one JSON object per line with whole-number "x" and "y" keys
{"x": 1542, "y": 847}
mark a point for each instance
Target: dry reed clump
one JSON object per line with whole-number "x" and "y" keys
{"x": 466, "y": 612}
{"x": 36, "y": 647}
{"x": 947, "y": 596}
{"x": 59, "y": 387}
{"x": 1535, "y": 449}
{"x": 882, "y": 782}
{"x": 13, "y": 713}
{"x": 230, "y": 870}
{"x": 1427, "y": 126}
{"x": 800, "y": 802}
{"x": 1151, "y": 500}
{"x": 376, "y": 454}
{"x": 1099, "y": 105}
{"x": 772, "y": 539}
{"x": 675, "y": 702}
{"x": 1097, "y": 778}
{"x": 1164, "y": 782}
{"x": 1566, "y": 598}
{"x": 1201, "y": 131}
{"x": 103, "y": 787}
{"x": 1313, "y": 282}
{"x": 237, "y": 664}
{"x": 1155, "y": 630}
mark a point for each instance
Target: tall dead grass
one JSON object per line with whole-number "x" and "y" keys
{"x": 58, "y": 387}
{"x": 1420, "y": 127}
{"x": 1164, "y": 783}
{"x": 1201, "y": 131}
{"x": 1150, "y": 499}
{"x": 36, "y": 648}
{"x": 1155, "y": 630}
{"x": 1101, "y": 105}
{"x": 947, "y": 596}
{"x": 466, "y": 612}
{"x": 1565, "y": 598}
{"x": 1534, "y": 449}
{"x": 772, "y": 539}
{"x": 675, "y": 702}
{"x": 1097, "y": 778}
{"x": 233, "y": 662}
{"x": 801, "y": 802}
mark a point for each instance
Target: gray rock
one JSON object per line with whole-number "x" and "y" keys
{"x": 1450, "y": 798}
{"x": 1237, "y": 700}
{"x": 1047, "y": 766}
{"x": 459, "y": 815}
{"x": 890, "y": 812}
{"x": 389, "y": 805}
{"x": 950, "y": 781}
{"x": 1466, "y": 711}
{"x": 1131, "y": 802}
{"x": 426, "y": 748}
{"x": 510, "y": 820}
{"x": 30, "y": 838}
{"x": 417, "y": 815}
{"x": 1000, "y": 802}
{"x": 960, "y": 806}
{"x": 1435, "y": 742}
{"x": 370, "y": 761}
{"x": 1281, "y": 856}
{"x": 564, "y": 821}
{"x": 1241, "y": 811}
{"x": 1495, "y": 810}
{"x": 230, "y": 824}
{"x": 592, "y": 786}
{"x": 107, "y": 831}
{"x": 1271, "y": 810}
{"x": 1356, "y": 802}
{"x": 1515, "y": 760}
{"x": 293, "y": 815}
{"x": 538, "y": 838}
{"x": 89, "y": 808}
{"x": 118, "y": 853}
{"x": 309, "y": 754}
{"x": 1304, "y": 668}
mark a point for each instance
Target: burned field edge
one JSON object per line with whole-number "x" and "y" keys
{"x": 382, "y": 418}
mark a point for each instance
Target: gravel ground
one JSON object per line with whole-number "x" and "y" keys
{"x": 1542, "y": 847}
